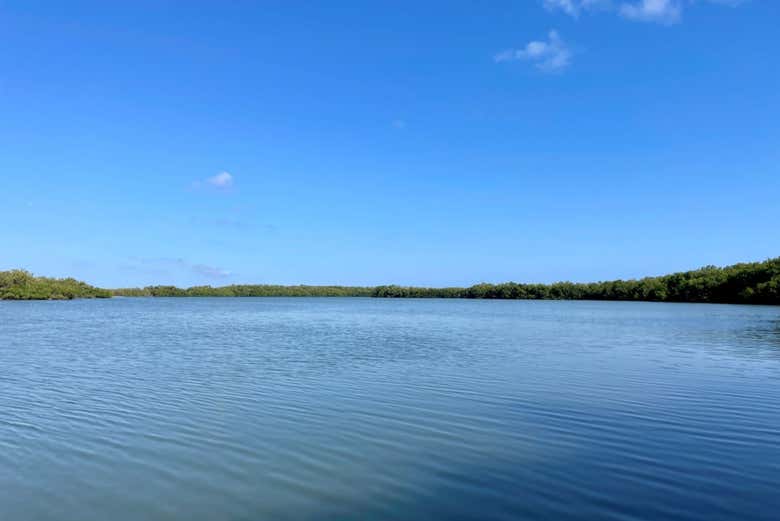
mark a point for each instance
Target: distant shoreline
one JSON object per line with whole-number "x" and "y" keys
{"x": 745, "y": 283}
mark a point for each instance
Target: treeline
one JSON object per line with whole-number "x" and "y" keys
{"x": 23, "y": 285}
{"x": 747, "y": 283}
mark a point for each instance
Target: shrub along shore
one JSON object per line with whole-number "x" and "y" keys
{"x": 22, "y": 285}
{"x": 746, "y": 283}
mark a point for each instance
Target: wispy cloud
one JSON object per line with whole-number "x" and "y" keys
{"x": 552, "y": 55}
{"x": 570, "y": 7}
{"x": 209, "y": 272}
{"x": 661, "y": 11}
{"x": 166, "y": 266}
{"x": 730, "y": 3}
{"x": 229, "y": 222}
{"x": 575, "y": 7}
{"x": 665, "y": 12}
{"x": 221, "y": 180}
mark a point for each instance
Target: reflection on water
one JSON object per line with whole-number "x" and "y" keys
{"x": 342, "y": 409}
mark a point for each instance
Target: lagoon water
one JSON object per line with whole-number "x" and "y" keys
{"x": 371, "y": 409}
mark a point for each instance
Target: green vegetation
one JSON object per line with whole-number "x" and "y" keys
{"x": 749, "y": 283}
{"x": 22, "y": 285}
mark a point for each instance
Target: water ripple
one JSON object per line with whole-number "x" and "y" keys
{"x": 359, "y": 409}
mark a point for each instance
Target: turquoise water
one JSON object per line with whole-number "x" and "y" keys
{"x": 373, "y": 409}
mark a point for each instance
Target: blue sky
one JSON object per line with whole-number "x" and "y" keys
{"x": 426, "y": 143}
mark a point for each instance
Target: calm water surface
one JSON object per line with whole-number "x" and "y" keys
{"x": 369, "y": 409}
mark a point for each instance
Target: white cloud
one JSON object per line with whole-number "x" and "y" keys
{"x": 552, "y": 55}
{"x": 661, "y": 11}
{"x": 221, "y": 180}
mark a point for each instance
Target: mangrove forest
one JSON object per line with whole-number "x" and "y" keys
{"x": 22, "y": 285}
{"x": 745, "y": 283}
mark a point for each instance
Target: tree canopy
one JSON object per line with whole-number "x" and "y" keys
{"x": 750, "y": 283}
{"x": 22, "y": 285}
{"x": 746, "y": 283}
